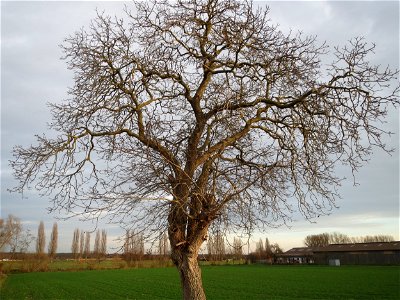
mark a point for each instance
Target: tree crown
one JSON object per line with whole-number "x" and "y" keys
{"x": 202, "y": 110}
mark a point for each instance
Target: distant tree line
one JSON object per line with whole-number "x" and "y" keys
{"x": 266, "y": 252}
{"x": 217, "y": 249}
{"x": 14, "y": 236}
{"x": 52, "y": 250}
{"x": 216, "y": 246}
{"x": 163, "y": 245}
{"x": 40, "y": 240}
{"x": 18, "y": 239}
{"x": 324, "y": 239}
{"x": 133, "y": 246}
{"x": 80, "y": 247}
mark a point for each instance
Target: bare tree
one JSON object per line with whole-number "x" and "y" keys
{"x": 75, "y": 243}
{"x": 165, "y": 244}
{"x": 268, "y": 253}
{"x": 127, "y": 244}
{"x": 372, "y": 238}
{"x": 324, "y": 239}
{"x": 53, "y": 241}
{"x": 219, "y": 241}
{"x": 103, "y": 243}
{"x": 377, "y": 238}
{"x": 5, "y": 234}
{"x": 276, "y": 249}
{"x": 237, "y": 247}
{"x": 317, "y": 240}
{"x": 163, "y": 248}
{"x": 96, "y": 247}
{"x": 100, "y": 244}
{"x": 338, "y": 238}
{"x": 40, "y": 240}
{"x": 10, "y": 231}
{"x": 134, "y": 245}
{"x": 21, "y": 242}
{"x": 260, "y": 247}
{"x": 81, "y": 243}
{"x": 192, "y": 111}
{"x": 210, "y": 248}
{"x": 86, "y": 251}
{"x": 137, "y": 245}
{"x": 13, "y": 235}
{"x": 216, "y": 246}
{"x": 268, "y": 248}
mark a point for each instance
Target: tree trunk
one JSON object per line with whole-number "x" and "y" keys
{"x": 186, "y": 236}
{"x": 190, "y": 274}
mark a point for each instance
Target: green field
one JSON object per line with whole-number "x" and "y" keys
{"x": 220, "y": 282}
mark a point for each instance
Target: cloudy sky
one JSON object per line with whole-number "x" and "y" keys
{"x": 32, "y": 75}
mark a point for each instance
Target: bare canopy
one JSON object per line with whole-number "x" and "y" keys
{"x": 192, "y": 111}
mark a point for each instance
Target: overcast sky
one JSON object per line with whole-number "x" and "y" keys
{"x": 32, "y": 74}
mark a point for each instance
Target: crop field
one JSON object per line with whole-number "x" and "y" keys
{"x": 220, "y": 282}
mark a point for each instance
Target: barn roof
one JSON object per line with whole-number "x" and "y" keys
{"x": 354, "y": 247}
{"x": 300, "y": 251}
{"x": 375, "y": 246}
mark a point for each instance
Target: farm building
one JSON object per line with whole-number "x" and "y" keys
{"x": 376, "y": 253}
{"x": 300, "y": 255}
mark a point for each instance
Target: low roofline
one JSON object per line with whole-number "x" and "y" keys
{"x": 351, "y": 247}
{"x": 373, "y": 246}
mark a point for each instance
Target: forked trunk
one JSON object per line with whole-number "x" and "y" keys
{"x": 190, "y": 275}
{"x": 186, "y": 235}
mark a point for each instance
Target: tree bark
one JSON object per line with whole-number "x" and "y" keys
{"x": 187, "y": 232}
{"x": 190, "y": 274}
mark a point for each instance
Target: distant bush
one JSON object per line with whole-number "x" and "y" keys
{"x": 122, "y": 264}
{"x": 35, "y": 265}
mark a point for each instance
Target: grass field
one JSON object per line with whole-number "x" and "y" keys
{"x": 220, "y": 282}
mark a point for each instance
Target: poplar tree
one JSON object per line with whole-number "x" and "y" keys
{"x": 103, "y": 243}
{"x": 237, "y": 246}
{"x": 86, "y": 251}
{"x": 40, "y": 240}
{"x": 53, "y": 241}
{"x": 96, "y": 247}
{"x": 81, "y": 243}
{"x": 75, "y": 243}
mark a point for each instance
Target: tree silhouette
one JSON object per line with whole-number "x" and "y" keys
{"x": 53, "y": 241}
{"x": 40, "y": 240}
{"x": 75, "y": 244}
